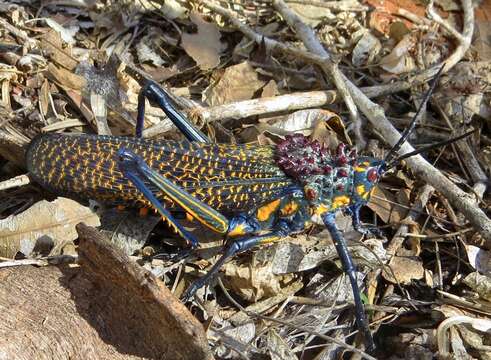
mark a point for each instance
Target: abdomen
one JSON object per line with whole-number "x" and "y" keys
{"x": 228, "y": 177}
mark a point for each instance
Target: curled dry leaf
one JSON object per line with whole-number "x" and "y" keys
{"x": 239, "y": 82}
{"x": 204, "y": 46}
{"x": 311, "y": 15}
{"x": 304, "y": 121}
{"x": 66, "y": 33}
{"x": 44, "y": 220}
{"x": 400, "y": 61}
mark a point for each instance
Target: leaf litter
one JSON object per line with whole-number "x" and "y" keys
{"x": 57, "y": 73}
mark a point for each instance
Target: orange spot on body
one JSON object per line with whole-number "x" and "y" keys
{"x": 289, "y": 209}
{"x": 264, "y": 212}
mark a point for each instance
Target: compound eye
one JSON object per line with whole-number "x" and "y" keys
{"x": 372, "y": 175}
{"x": 310, "y": 193}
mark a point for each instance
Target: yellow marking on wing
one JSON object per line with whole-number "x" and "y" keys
{"x": 340, "y": 201}
{"x": 360, "y": 189}
{"x": 359, "y": 168}
{"x": 264, "y": 212}
{"x": 270, "y": 239}
{"x": 289, "y": 208}
{"x": 199, "y": 207}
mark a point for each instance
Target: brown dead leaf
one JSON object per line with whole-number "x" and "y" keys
{"x": 255, "y": 281}
{"x": 384, "y": 204}
{"x": 239, "y": 82}
{"x": 52, "y": 44}
{"x": 65, "y": 78}
{"x": 405, "y": 270}
{"x": 270, "y": 89}
{"x": 54, "y": 221}
{"x": 400, "y": 60}
{"x": 204, "y": 46}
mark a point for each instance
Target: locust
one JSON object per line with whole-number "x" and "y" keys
{"x": 251, "y": 194}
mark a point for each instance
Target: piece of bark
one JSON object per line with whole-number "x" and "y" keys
{"x": 109, "y": 308}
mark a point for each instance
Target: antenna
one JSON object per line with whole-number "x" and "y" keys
{"x": 416, "y": 118}
{"x": 429, "y": 147}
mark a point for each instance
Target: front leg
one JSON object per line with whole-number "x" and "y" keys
{"x": 349, "y": 267}
{"x": 354, "y": 211}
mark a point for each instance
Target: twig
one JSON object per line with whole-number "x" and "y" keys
{"x": 307, "y": 35}
{"x": 464, "y": 39}
{"x": 266, "y": 106}
{"x": 17, "y": 181}
{"x": 44, "y": 261}
{"x": 348, "y": 5}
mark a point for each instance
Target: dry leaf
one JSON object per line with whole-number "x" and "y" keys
{"x": 239, "y": 82}
{"x": 366, "y": 49}
{"x": 66, "y": 33}
{"x": 52, "y": 44}
{"x": 146, "y": 54}
{"x": 204, "y": 46}
{"x": 171, "y": 9}
{"x": 480, "y": 284}
{"x": 255, "y": 280}
{"x": 126, "y": 231}
{"x": 483, "y": 24}
{"x": 405, "y": 270}
{"x": 278, "y": 348}
{"x": 400, "y": 60}
{"x": 44, "y": 220}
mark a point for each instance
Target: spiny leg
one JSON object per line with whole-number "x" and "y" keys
{"x": 155, "y": 93}
{"x": 349, "y": 268}
{"x": 196, "y": 208}
{"x": 234, "y": 247}
{"x": 354, "y": 211}
{"x": 248, "y": 224}
{"x": 129, "y": 165}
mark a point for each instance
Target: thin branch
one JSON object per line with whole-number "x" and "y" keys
{"x": 307, "y": 35}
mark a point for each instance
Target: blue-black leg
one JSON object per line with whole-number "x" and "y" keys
{"x": 130, "y": 167}
{"x": 349, "y": 267}
{"x": 357, "y": 225}
{"x": 155, "y": 93}
{"x": 235, "y": 246}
